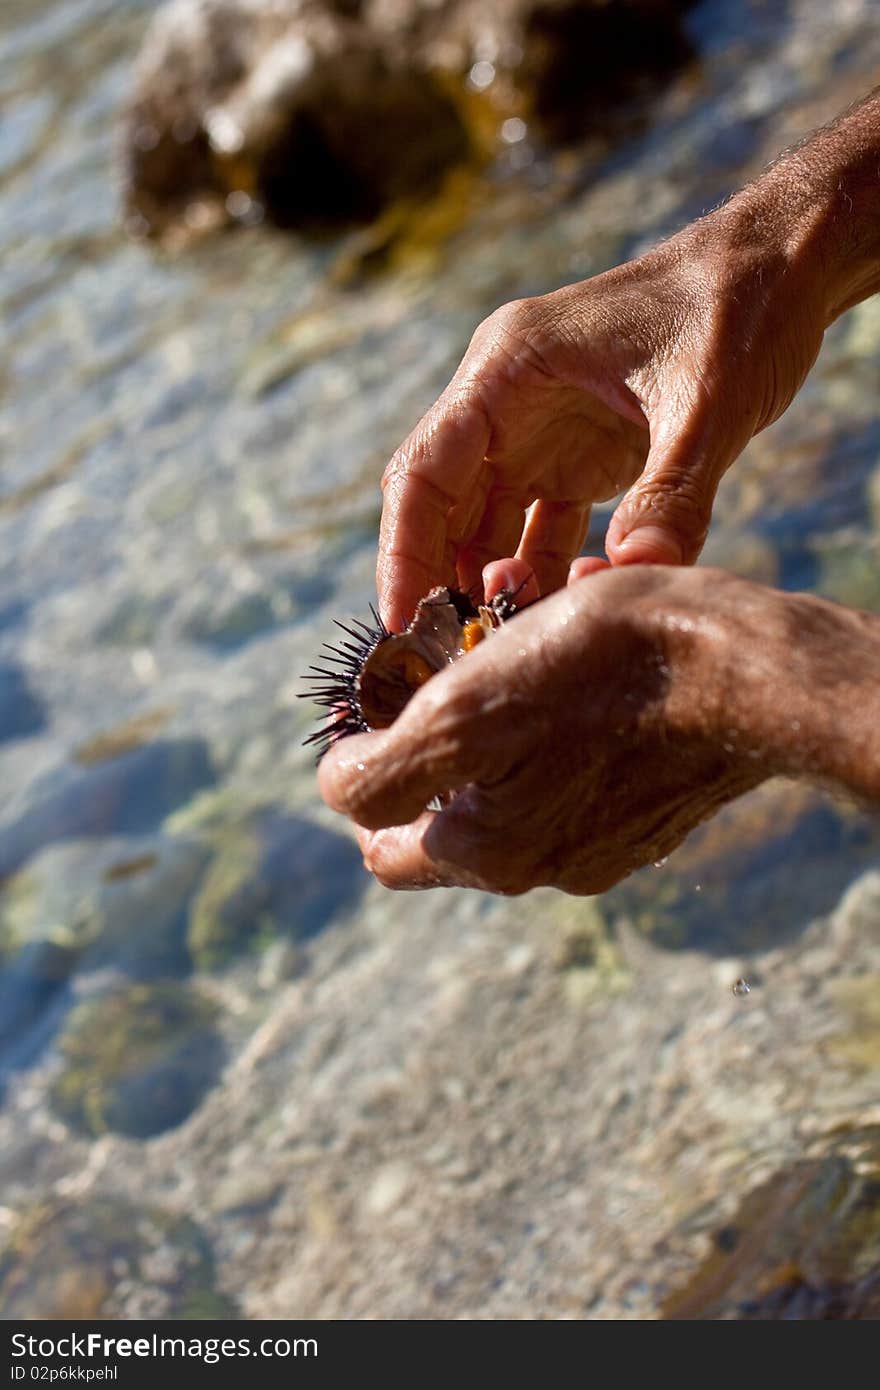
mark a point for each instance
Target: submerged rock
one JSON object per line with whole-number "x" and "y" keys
{"x": 751, "y": 878}
{"x": 272, "y": 875}
{"x": 805, "y": 1245}
{"x": 104, "y": 1256}
{"x": 21, "y": 711}
{"x": 137, "y": 1061}
{"x": 328, "y": 110}
{"x": 33, "y": 996}
{"x": 287, "y": 107}
{"x": 849, "y": 569}
{"x": 85, "y": 906}
{"x": 129, "y": 793}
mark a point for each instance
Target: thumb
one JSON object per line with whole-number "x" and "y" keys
{"x": 388, "y": 778}
{"x": 664, "y": 518}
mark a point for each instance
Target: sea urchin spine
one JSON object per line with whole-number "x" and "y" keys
{"x": 375, "y": 675}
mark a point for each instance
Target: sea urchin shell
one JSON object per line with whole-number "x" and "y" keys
{"x": 367, "y": 681}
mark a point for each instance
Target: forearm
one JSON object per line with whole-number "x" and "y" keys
{"x": 819, "y": 203}
{"x": 807, "y": 693}
{"x": 837, "y": 676}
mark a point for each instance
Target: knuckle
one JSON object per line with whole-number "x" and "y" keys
{"x": 381, "y": 861}
{"x": 512, "y": 323}
{"x": 681, "y": 500}
{"x": 381, "y": 869}
{"x": 396, "y": 469}
{"x": 520, "y": 336}
{"x": 511, "y": 315}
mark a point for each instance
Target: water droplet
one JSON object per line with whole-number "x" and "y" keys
{"x": 361, "y": 767}
{"x": 146, "y": 138}
{"x": 238, "y": 203}
{"x": 481, "y": 76}
{"x": 244, "y": 208}
{"x": 224, "y": 133}
{"x": 513, "y": 130}
{"x": 658, "y": 863}
{"x": 698, "y": 887}
{"x": 198, "y": 215}
{"x": 741, "y": 987}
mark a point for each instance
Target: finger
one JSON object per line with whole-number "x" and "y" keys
{"x": 498, "y": 534}
{"x": 554, "y": 533}
{"x": 665, "y": 516}
{"x": 584, "y": 565}
{"x": 515, "y": 576}
{"x": 388, "y": 778}
{"x": 399, "y": 858}
{"x": 479, "y": 845}
{"x": 436, "y": 470}
{"x": 448, "y": 849}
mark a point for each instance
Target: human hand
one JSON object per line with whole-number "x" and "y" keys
{"x": 593, "y": 731}
{"x": 651, "y": 377}
{"x": 585, "y": 738}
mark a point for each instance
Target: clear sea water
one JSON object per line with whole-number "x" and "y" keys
{"x": 191, "y": 447}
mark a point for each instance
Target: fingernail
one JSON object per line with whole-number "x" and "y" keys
{"x": 585, "y": 565}
{"x": 502, "y": 574}
{"x": 651, "y": 544}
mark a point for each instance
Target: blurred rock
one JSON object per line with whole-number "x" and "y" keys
{"x": 750, "y": 878}
{"x": 123, "y": 738}
{"x": 113, "y": 903}
{"x": 803, "y": 1246}
{"x": 849, "y": 569}
{"x": 141, "y": 909}
{"x": 137, "y": 1061}
{"x": 272, "y": 875}
{"x": 223, "y": 619}
{"x": 874, "y": 497}
{"x": 317, "y": 111}
{"x": 128, "y": 794}
{"x": 78, "y": 1260}
{"x": 33, "y": 987}
{"x": 587, "y": 955}
{"x": 21, "y": 712}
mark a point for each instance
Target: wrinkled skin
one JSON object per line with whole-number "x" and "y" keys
{"x": 584, "y": 739}
{"x": 651, "y": 377}
{"x": 592, "y": 733}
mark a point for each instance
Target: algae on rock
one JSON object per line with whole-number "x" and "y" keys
{"x": 273, "y": 874}
{"x": 804, "y": 1245}
{"x": 72, "y": 1260}
{"x": 137, "y": 1060}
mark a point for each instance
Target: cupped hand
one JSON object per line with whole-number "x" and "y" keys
{"x": 582, "y": 740}
{"x": 651, "y": 377}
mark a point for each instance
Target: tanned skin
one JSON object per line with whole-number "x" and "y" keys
{"x": 593, "y": 733}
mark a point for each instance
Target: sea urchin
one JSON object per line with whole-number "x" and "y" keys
{"x": 365, "y": 682}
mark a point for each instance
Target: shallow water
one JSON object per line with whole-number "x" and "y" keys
{"x": 199, "y": 986}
